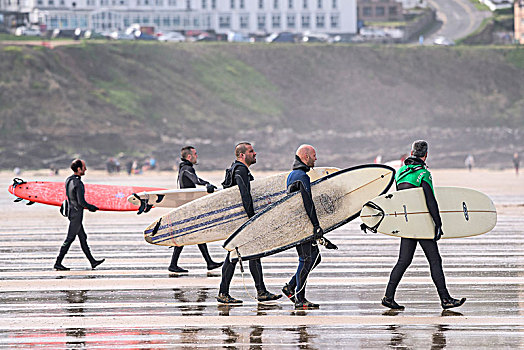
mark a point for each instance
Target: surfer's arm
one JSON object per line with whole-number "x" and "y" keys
{"x": 194, "y": 178}
{"x": 80, "y": 198}
{"x": 432, "y": 204}
{"x": 242, "y": 180}
{"x": 307, "y": 200}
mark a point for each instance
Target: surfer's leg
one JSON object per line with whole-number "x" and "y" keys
{"x": 205, "y": 253}
{"x": 255, "y": 267}
{"x": 82, "y": 237}
{"x": 407, "y": 249}
{"x": 173, "y": 267}
{"x": 430, "y": 248}
{"x": 228, "y": 269}
{"x": 74, "y": 227}
{"x": 304, "y": 266}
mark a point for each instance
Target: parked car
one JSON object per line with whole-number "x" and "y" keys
{"x": 172, "y": 37}
{"x": 27, "y": 31}
{"x": 284, "y": 37}
{"x": 144, "y": 36}
{"x": 442, "y": 41}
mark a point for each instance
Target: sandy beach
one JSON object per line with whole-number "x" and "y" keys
{"x": 132, "y": 301}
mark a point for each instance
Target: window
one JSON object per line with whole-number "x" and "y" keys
{"x": 176, "y": 21}
{"x": 224, "y": 21}
{"x": 188, "y": 4}
{"x": 335, "y": 21}
{"x": 166, "y": 22}
{"x": 145, "y": 20}
{"x": 334, "y": 4}
{"x": 39, "y": 2}
{"x": 260, "y": 4}
{"x": 232, "y": 4}
{"x": 290, "y": 4}
{"x": 62, "y": 2}
{"x": 156, "y": 21}
{"x": 366, "y": 11}
{"x": 213, "y": 4}
{"x": 261, "y": 22}
{"x": 51, "y": 3}
{"x": 159, "y": 2}
{"x": 275, "y": 4}
{"x": 320, "y": 21}
{"x": 244, "y": 21}
{"x": 242, "y": 4}
{"x": 291, "y": 21}
{"x": 304, "y": 4}
{"x": 305, "y": 21}
{"x": 393, "y": 10}
{"x": 319, "y": 4}
{"x": 196, "y": 22}
{"x": 380, "y": 11}
{"x": 204, "y": 4}
{"x": 172, "y": 3}
{"x": 275, "y": 21}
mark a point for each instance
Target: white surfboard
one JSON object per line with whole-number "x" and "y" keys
{"x": 338, "y": 199}
{"x": 217, "y": 215}
{"x": 168, "y": 198}
{"x": 464, "y": 212}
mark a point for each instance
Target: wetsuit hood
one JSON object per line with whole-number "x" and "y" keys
{"x": 414, "y": 161}
{"x": 299, "y": 164}
{"x": 185, "y": 162}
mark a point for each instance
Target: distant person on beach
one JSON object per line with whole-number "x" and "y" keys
{"x": 415, "y": 174}
{"x": 75, "y": 191}
{"x": 516, "y": 162}
{"x": 308, "y": 252}
{"x": 469, "y": 162}
{"x": 239, "y": 175}
{"x": 187, "y": 178}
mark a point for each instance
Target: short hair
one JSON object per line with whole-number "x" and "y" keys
{"x": 185, "y": 151}
{"x": 419, "y": 148}
{"x": 77, "y": 163}
{"x": 241, "y": 147}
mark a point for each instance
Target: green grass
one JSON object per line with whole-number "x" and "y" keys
{"x": 238, "y": 84}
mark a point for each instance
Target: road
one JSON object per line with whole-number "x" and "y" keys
{"x": 459, "y": 18}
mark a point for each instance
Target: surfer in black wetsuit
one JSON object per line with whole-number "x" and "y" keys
{"x": 187, "y": 178}
{"x": 75, "y": 195}
{"x": 415, "y": 174}
{"x": 239, "y": 174}
{"x": 308, "y": 252}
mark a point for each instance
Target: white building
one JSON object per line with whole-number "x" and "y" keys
{"x": 245, "y": 16}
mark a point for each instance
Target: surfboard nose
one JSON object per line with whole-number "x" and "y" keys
{"x": 148, "y": 239}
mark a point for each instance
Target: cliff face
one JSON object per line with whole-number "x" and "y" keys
{"x": 351, "y": 102}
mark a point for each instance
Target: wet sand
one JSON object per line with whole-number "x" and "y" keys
{"x": 131, "y": 301}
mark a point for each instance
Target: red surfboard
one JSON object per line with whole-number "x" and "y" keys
{"x": 105, "y": 197}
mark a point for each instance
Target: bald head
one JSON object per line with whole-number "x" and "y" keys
{"x": 307, "y": 155}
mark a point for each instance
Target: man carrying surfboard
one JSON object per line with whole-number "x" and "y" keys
{"x": 413, "y": 174}
{"x": 239, "y": 174}
{"x": 75, "y": 195}
{"x": 308, "y": 252}
{"x": 187, "y": 178}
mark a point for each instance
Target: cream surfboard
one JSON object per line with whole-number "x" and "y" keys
{"x": 464, "y": 212}
{"x": 215, "y": 216}
{"x": 338, "y": 199}
{"x": 168, "y": 198}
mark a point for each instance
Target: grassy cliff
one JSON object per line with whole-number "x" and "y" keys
{"x": 352, "y": 102}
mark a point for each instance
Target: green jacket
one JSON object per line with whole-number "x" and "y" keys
{"x": 414, "y": 174}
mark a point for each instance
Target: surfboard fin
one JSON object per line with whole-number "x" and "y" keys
{"x": 144, "y": 205}
{"x": 30, "y": 203}
{"x": 18, "y": 200}
{"x": 17, "y": 182}
{"x": 157, "y": 226}
{"x": 159, "y": 198}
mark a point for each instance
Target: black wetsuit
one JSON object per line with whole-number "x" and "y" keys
{"x": 429, "y": 246}
{"x": 187, "y": 178}
{"x": 308, "y": 254}
{"x": 75, "y": 194}
{"x": 242, "y": 177}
